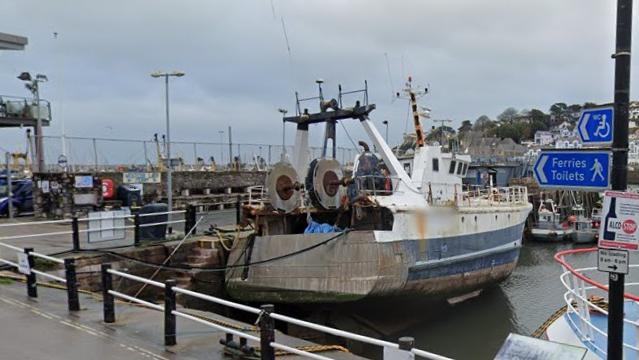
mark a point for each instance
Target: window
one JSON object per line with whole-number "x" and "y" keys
{"x": 459, "y": 168}
{"x": 435, "y": 164}
{"x": 407, "y": 168}
{"x": 451, "y": 169}
{"x": 465, "y": 171}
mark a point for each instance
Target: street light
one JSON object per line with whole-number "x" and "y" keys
{"x": 32, "y": 85}
{"x": 221, "y": 132}
{"x": 283, "y": 112}
{"x": 169, "y": 180}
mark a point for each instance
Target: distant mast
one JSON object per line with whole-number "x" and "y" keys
{"x": 412, "y": 97}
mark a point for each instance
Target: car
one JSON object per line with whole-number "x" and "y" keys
{"x": 22, "y": 196}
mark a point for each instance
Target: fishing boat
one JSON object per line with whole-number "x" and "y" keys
{"x": 585, "y": 229}
{"x": 549, "y": 227}
{"x": 583, "y": 320}
{"x": 392, "y": 229}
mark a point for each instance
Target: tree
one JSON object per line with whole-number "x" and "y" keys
{"x": 558, "y": 109}
{"x": 507, "y": 114}
{"x": 589, "y": 105}
{"x": 483, "y": 123}
{"x": 466, "y": 126}
{"x": 539, "y": 116}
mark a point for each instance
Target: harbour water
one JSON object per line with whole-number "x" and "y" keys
{"x": 476, "y": 328}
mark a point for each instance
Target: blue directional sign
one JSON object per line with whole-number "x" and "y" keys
{"x": 581, "y": 169}
{"x": 595, "y": 125}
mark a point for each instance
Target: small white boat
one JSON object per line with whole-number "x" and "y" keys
{"x": 583, "y": 321}
{"x": 549, "y": 227}
{"x": 585, "y": 230}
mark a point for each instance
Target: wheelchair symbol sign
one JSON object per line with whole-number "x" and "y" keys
{"x": 595, "y": 125}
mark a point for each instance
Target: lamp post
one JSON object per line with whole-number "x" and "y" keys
{"x": 221, "y": 132}
{"x": 283, "y": 112}
{"x": 169, "y": 180}
{"x": 32, "y": 85}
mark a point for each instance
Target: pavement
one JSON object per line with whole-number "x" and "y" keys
{"x": 42, "y": 328}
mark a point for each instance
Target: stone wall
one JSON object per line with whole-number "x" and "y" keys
{"x": 59, "y": 201}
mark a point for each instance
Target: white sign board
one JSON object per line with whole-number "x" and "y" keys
{"x": 613, "y": 261}
{"x": 107, "y": 225}
{"x": 619, "y": 229}
{"x": 44, "y": 186}
{"x": 141, "y": 178}
{"x": 83, "y": 181}
{"x": 23, "y": 263}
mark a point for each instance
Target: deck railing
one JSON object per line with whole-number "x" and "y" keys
{"x": 22, "y": 107}
{"x": 579, "y": 301}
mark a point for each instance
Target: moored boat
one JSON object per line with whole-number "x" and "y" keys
{"x": 549, "y": 227}
{"x": 583, "y": 320}
{"x": 393, "y": 229}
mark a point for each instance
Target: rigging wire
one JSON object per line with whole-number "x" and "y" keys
{"x": 348, "y": 135}
{"x": 390, "y": 77}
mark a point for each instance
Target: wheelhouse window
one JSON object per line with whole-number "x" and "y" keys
{"x": 435, "y": 164}
{"x": 459, "y": 168}
{"x": 465, "y": 170}
{"x": 407, "y": 168}
{"x": 451, "y": 169}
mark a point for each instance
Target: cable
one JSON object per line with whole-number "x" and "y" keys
{"x": 224, "y": 268}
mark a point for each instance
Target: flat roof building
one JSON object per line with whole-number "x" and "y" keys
{"x": 12, "y": 42}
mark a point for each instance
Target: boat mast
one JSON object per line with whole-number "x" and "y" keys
{"x": 412, "y": 97}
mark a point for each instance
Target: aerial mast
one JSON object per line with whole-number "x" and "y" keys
{"x": 413, "y": 94}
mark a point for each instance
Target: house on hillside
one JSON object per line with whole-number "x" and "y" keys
{"x": 543, "y": 138}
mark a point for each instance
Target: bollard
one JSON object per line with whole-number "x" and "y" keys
{"x": 169, "y": 317}
{"x": 267, "y": 332}
{"x": 191, "y": 214}
{"x": 406, "y": 343}
{"x": 136, "y": 230}
{"x": 107, "y": 299}
{"x": 72, "y": 285}
{"x": 76, "y": 233}
{"x": 32, "y": 285}
{"x": 237, "y": 210}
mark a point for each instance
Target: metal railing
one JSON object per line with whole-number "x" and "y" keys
{"x": 27, "y": 267}
{"x": 23, "y": 107}
{"x": 138, "y": 224}
{"x": 377, "y": 185}
{"x": 493, "y": 196}
{"x": 89, "y": 154}
{"x": 265, "y": 321}
{"x": 579, "y": 301}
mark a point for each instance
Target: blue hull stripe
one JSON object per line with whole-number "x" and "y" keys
{"x": 440, "y": 248}
{"x": 464, "y": 266}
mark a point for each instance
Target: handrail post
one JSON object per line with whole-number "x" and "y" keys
{"x": 237, "y": 210}
{"x": 406, "y": 343}
{"x": 136, "y": 230}
{"x": 76, "y": 233}
{"x": 72, "y": 284}
{"x": 107, "y": 299}
{"x": 267, "y": 332}
{"x": 169, "y": 317}
{"x": 189, "y": 218}
{"x": 32, "y": 284}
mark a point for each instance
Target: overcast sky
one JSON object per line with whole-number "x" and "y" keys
{"x": 478, "y": 57}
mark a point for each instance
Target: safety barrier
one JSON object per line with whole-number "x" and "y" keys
{"x": 266, "y": 321}
{"x": 579, "y": 303}
{"x": 27, "y": 266}
{"x": 189, "y": 222}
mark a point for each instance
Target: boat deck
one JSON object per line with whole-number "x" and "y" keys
{"x": 600, "y": 321}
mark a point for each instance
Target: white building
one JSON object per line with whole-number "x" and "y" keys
{"x": 543, "y": 138}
